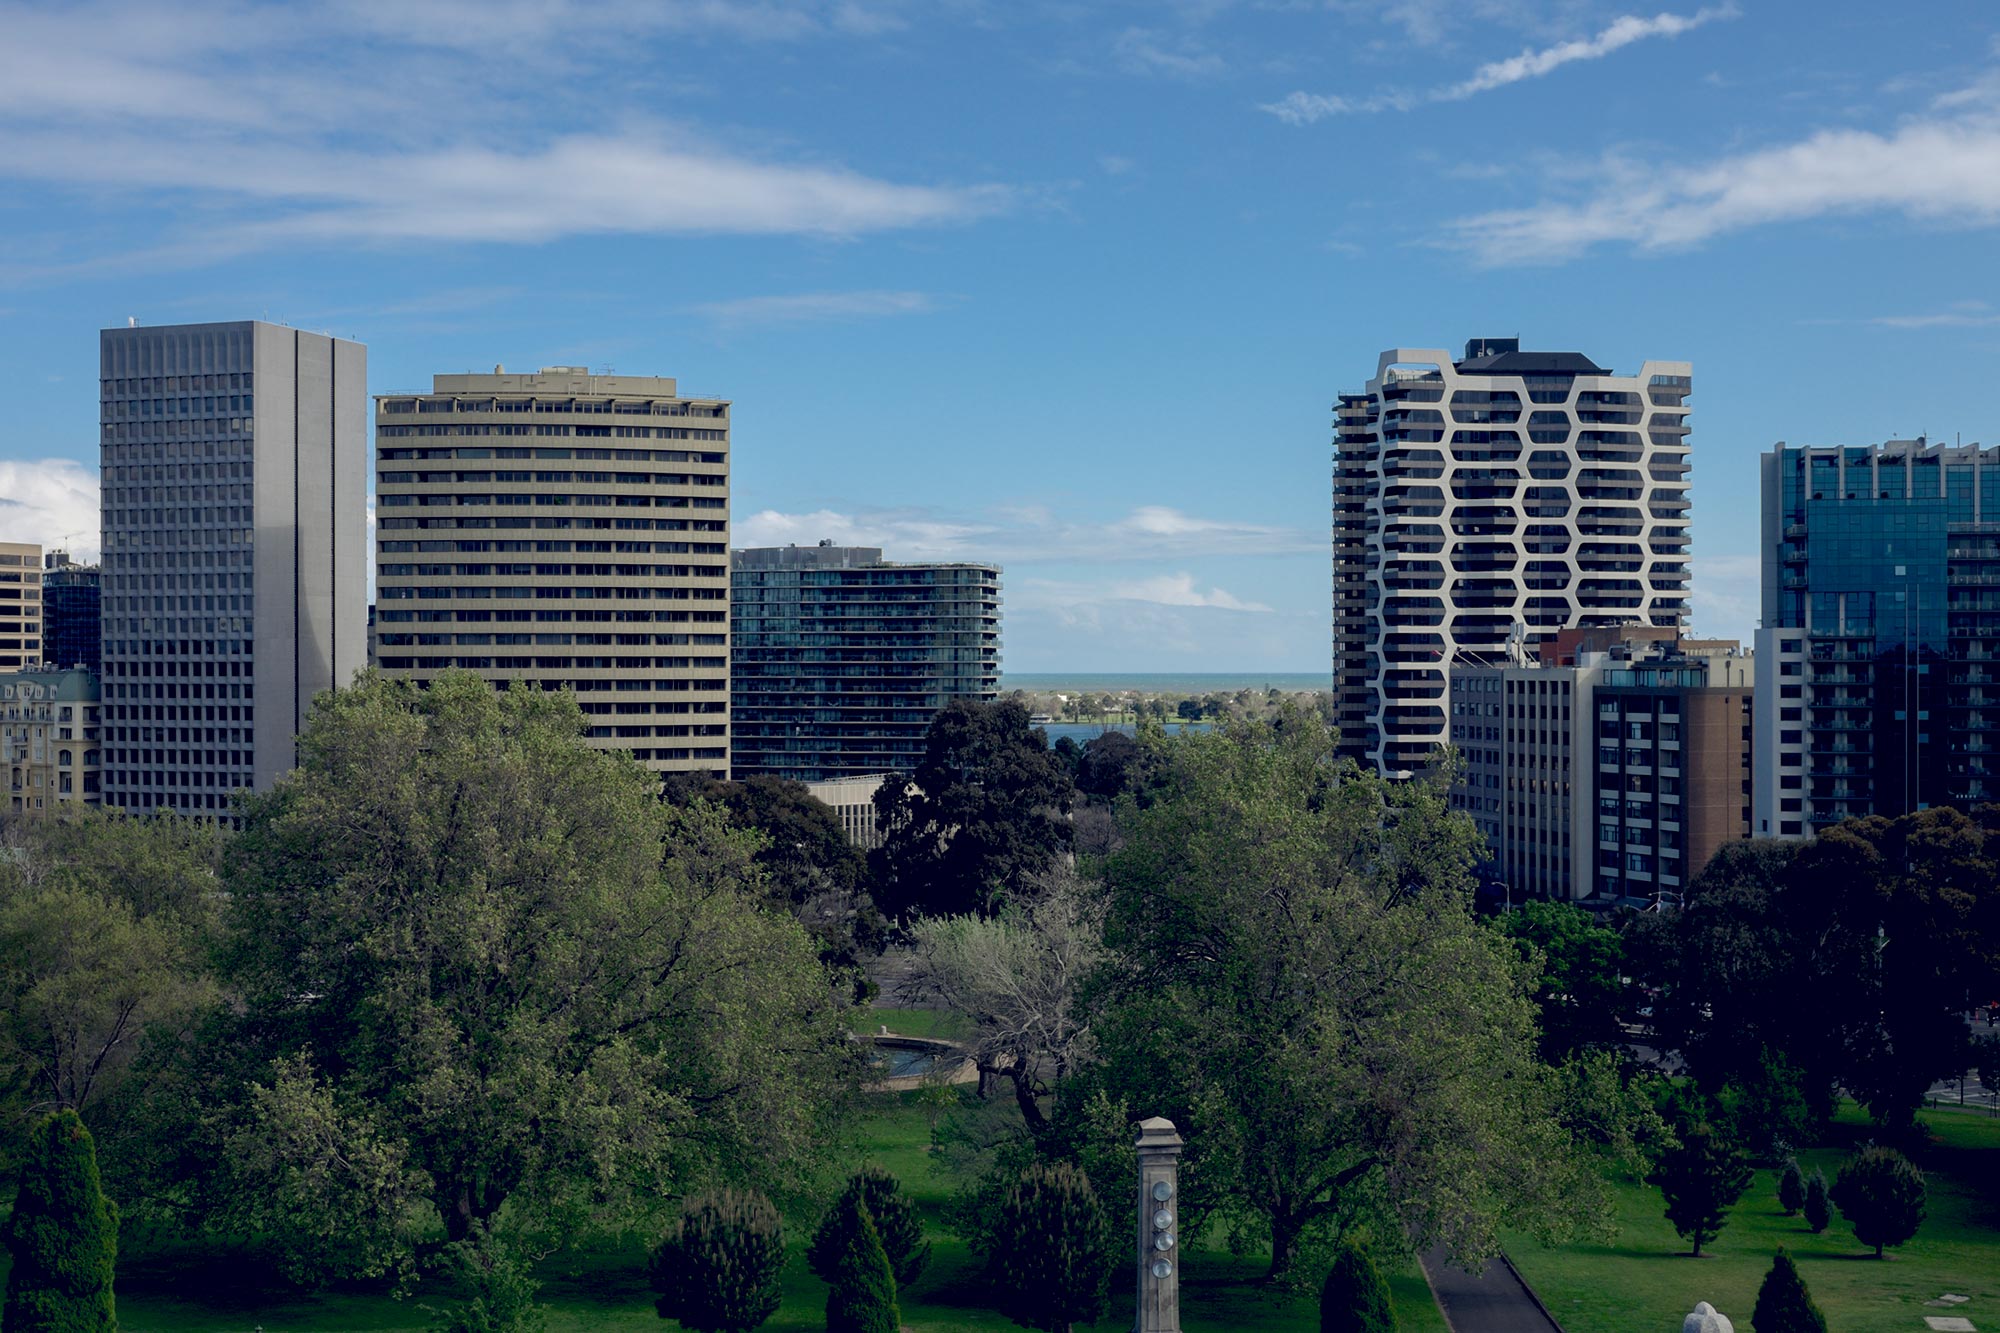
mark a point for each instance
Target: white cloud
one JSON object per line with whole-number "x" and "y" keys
{"x": 1943, "y": 170}
{"x": 1961, "y": 315}
{"x": 814, "y": 307}
{"x": 52, "y": 501}
{"x": 1180, "y": 590}
{"x": 1303, "y": 108}
{"x": 1029, "y": 535}
{"x": 1145, "y": 51}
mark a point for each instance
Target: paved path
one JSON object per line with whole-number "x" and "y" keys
{"x": 1495, "y": 1301}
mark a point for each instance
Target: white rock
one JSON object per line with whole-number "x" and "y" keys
{"x": 1707, "y": 1319}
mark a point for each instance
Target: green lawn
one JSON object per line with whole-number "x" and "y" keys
{"x": 161, "y": 1291}
{"x": 1643, "y": 1278}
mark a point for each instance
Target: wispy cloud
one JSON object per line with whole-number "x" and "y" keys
{"x": 366, "y": 121}
{"x": 1147, "y": 51}
{"x": 1961, "y": 315}
{"x": 1935, "y": 168}
{"x": 1028, "y": 536}
{"x": 813, "y": 308}
{"x": 53, "y": 501}
{"x": 1176, "y": 589}
{"x": 1303, "y": 108}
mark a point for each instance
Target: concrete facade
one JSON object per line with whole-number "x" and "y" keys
{"x": 20, "y": 606}
{"x": 49, "y": 739}
{"x": 1502, "y": 496}
{"x": 853, "y": 800}
{"x": 235, "y": 571}
{"x": 842, "y": 658}
{"x": 570, "y": 530}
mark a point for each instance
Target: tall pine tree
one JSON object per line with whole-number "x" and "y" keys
{"x": 1701, "y": 1178}
{"x": 1783, "y": 1303}
{"x": 63, "y": 1236}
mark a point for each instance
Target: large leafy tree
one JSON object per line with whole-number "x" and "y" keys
{"x": 1302, "y": 986}
{"x": 488, "y": 980}
{"x": 985, "y": 809}
{"x": 1580, "y": 993}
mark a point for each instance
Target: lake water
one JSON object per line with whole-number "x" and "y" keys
{"x": 1081, "y": 732}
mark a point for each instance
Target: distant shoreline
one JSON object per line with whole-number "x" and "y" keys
{"x": 1164, "y": 682}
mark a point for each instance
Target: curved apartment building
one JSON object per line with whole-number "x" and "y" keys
{"x": 1504, "y": 495}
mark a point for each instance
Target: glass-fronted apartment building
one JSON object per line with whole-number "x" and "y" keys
{"x": 1879, "y": 656}
{"x": 842, "y": 659}
{"x": 72, "y": 630}
{"x": 235, "y": 572}
{"x": 570, "y": 530}
{"x": 1499, "y": 496}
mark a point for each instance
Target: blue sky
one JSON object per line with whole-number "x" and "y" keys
{"x": 1066, "y": 285}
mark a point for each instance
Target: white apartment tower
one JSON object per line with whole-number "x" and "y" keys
{"x": 235, "y": 576}
{"x": 570, "y": 530}
{"x": 1501, "y": 496}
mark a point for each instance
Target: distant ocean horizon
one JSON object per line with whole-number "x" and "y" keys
{"x": 1164, "y": 682}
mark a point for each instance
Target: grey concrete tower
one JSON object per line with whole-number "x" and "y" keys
{"x": 235, "y": 575}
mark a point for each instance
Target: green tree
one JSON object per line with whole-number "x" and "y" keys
{"x": 1355, "y": 1299}
{"x": 862, "y": 1296}
{"x": 1767, "y": 1108}
{"x": 810, "y": 868}
{"x": 719, "y": 1268}
{"x": 1881, "y": 1194}
{"x": 1047, "y": 1258}
{"x": 488, "y": 980}
{"x": 499, "y": 1283}
{"x": 1783, "y": 1303}
{"x": 898, "y": 1227}
{"x": 986, "y": 807}
{"x": 1818, "y": 1207}
{"x": 62, "y": 1236}
{"x": 1792, "y": 1187}
{"x": 1299, "y": 982}
{"x": 1581, "y": 992}
{"x": 1701, "y": 1178}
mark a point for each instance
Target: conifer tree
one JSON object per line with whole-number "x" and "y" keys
{"x": 1049, "y": 1258}
{"x": 63, "y": 1236}
{"x": 1881, "y": 1194}
{"x": 718, "y": 1270}
{"x": 1355, "y": 1299}
{"x": 863, "y": 1295}
{"x": 1818, "y": 1207}
{"x": 1783, "y": 1303}
{"x": 1701, "y": 1178}
{"x": 896, "y": 1221}
{"x": 1792, "y": 1187}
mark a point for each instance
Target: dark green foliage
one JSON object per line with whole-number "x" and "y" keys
{"x": 1783, "y": 1303}
{"x": 1881, "y": 1194}
{"x": 499, "y": 1283}
{"x": 1701, "y": 1179}
{"x": 1767, "y": 1108}
{"x": 862, "y": 1298}
{"x": 1355, "y": 1299}
{"x": 1048, "y": 1256}
{"x": 1115, "y": 765}
{"x": 63, "y": 1236}
{"x": 897, "y": 1225}
{"x": 986, "y": 808}
{"x": 1792, "y": 1188}
{"x": 1581, "y": 990}
{"x": 718, "y": 1269}
{"x": 1818, "y": 1207}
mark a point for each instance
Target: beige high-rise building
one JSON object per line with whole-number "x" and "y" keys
{"x": 20, "y": 606}
{"x": 567, "y": 529}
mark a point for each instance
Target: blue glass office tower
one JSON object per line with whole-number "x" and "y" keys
{"x": 1879, "y": 660}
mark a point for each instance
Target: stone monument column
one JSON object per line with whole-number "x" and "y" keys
{"x": 1159, "y": 1265}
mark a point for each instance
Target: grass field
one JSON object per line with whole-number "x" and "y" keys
{"x": 1643, "y": 1279}
{"x": 166, "y": 1291}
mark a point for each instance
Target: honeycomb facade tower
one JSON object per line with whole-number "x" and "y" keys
{"x": 1493, "y": 500}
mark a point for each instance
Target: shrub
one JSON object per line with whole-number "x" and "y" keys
{"x": 499, "y": 1283}
{"x": 1792, "y": 1187}
{"x": 1881, "y": 1195}
{"x": 718, "y": 1269}
{"x": 863, "y": 1295}
{"x": 1818, "y": 1208}
{"x": 1048, "y": 1257}
{"x": 896, "y": 1222}
{"x": 1701, "y": 1178}
{"x": 1355, "y": 1299}
{"x": 1783, "y": 1303}
{"x": 63, "y": 1236}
